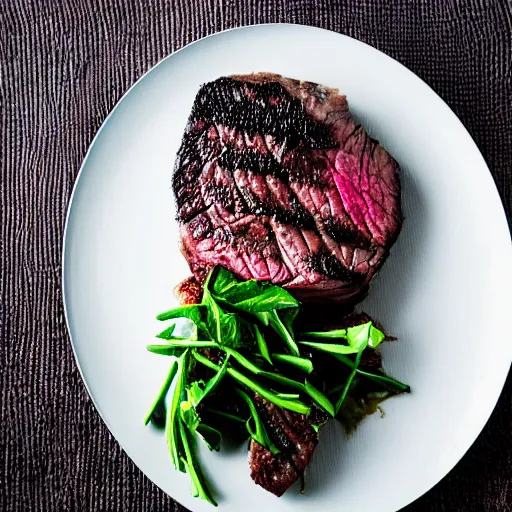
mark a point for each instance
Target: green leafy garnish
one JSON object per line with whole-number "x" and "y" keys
{"x": 241, "y": 340}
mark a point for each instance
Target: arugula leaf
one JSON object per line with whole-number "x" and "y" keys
{"x": 376, "y": 337}
{"x": 358, "y": 335}
{"x": 196, "y": 392}
{"x": 223, "y": 327}
{"x": 257, "y": 296}
{"x": 220, "y": 281}
{"x": 249, "y": 296}
{"x": 223, "y": 321}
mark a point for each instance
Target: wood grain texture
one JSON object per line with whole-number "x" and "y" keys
{"x": 63, "y": 66}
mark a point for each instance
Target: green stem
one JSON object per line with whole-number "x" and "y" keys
{"x": 226, "y": 415}
{"x": 280, "y": 328}
{"x": 191, "y": 311}
{"x": 262, "y": 344}
{"x": 169, "y": 348}
{"x": 259, "y": 434}
{"x": 173, "y": 416}
{"x": 163, "y": 391}
{"x": 292, "y": 405}
{"x": 302, "y": 363}
{"x": 248, "y": 365}
{"x": 193, "y": 470}
{"x": 205, "y": 361}
{"x": 285, "y": 381}
{"x": 384, "y": 379}
{"x": 341, "y": 399}
{"x": 319, "y": 398}
{"x": 381, "y": 379}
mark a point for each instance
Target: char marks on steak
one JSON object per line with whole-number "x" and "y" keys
{"x": 274, "y": 180}
{"x": 293, "y": 436}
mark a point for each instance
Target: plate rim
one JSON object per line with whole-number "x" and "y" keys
{"x": 256, "y": 26}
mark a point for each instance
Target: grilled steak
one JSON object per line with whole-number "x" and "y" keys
{"x": 293, "y": 434}
{"x": 275, "y": 180}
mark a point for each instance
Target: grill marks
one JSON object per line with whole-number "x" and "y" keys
{"x": 247, "y": 148}
{"x": 260, "y": 108}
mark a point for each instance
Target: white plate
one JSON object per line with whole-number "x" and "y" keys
{"x": 445, "y": 290}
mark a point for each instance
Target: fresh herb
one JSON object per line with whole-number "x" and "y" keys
{"x": 241, "y": 338}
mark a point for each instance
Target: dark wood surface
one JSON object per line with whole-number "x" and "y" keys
{"x": 63, "y": 66}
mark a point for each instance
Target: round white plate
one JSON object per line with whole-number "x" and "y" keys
{"x": 444, "y": 290}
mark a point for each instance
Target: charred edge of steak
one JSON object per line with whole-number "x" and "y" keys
{"x": 296, "y": 439}
{"x": 265, "y": 108}
{"x": 327, "y": 264}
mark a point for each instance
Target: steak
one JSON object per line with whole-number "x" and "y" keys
{"x": 275, "y": 180}
{"x": 296, "y": 439}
